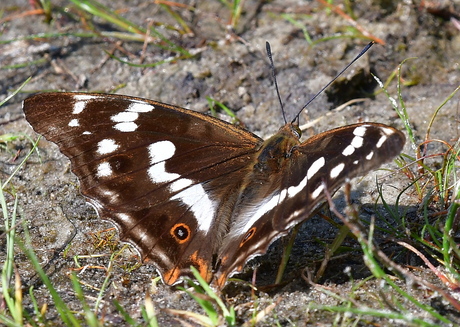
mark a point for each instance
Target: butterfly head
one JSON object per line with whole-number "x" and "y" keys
{"x": 277, "y": 148}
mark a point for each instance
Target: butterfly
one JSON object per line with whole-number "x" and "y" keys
{"x": 187, "y": 189}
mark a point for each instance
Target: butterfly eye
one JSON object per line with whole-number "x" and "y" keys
{"x": 248, "y": 236}
{"x": 296, "y": 129}
{"x": 181, "y": 233}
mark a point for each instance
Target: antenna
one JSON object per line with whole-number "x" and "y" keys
{"x": 272, "y": 66}
{"x": 367, "y": 47}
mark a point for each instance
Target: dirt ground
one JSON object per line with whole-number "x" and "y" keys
{"x": 232, "y": 68}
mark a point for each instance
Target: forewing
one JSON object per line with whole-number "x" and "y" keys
{"x": 159, "y": 172}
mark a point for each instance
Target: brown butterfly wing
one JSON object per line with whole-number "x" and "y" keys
{"x": 293, "y": 188}
{"x": 166, "y": 176}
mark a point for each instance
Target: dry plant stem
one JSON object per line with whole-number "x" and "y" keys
{"x": 22, "y": 15}
{"x": 330, "y": 113}
{"x": 437, "y": 9}
{"x": 174, "y": 4}
{"x": 108, "y": 55}
{"x": 354, "y": 23}
{"x": 331, "y": 249}
{"x": 357, "y": 229}
{"x": 322, "y": 288}
{"x": 436, "y": 271}
{"x": 253, "y": 283}
{"x": 286, "y": 254}
{"x": 260, "y": 316}
{"x": 86, "y": 267}
{"x": 146, "y": 43}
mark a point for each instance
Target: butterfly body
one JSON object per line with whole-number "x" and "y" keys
{"x": 187, "y": 189}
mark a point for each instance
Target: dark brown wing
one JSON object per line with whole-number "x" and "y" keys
{"x": 293, "y": 189}
{"x": 166, "y": 176}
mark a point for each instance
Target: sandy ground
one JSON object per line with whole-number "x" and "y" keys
{"x": 233, "y": 69}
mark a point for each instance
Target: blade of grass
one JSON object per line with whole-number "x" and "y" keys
{"x": 212, "y": 103}
{"x": 89, "y": 315}
{"x": 15, "y": 92}
{"x": 433, "y": 117}
{"x": 150, "y": 315}
{"x": 448, "y": 239}
{"x": 213, "y": 316}
{"x": 185, "y": 28}
{"x": 299, "y": 25}
{"x": 124, "y": 314}
{"x": 8, "y": 266}
{"x": 237, "y": 9}
{"x": 46, "y": 6}
{"x": 67, "y": 316}
{"x": 97, "y": 9}
{"x": 402, "y": 112}
{"x": 372, "y": 256}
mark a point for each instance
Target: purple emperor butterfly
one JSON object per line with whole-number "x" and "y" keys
{"x": 187, "y": 189}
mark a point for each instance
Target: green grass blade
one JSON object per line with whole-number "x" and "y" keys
{"x": 67, "y": 316}
{"x": 97, "y": 9}
{"x": 89, "y": 315}
{"x": 16, "y": 91}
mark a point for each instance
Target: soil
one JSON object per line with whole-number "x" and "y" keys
{"x": 230, "y": 66}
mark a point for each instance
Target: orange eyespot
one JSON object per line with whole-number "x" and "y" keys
{"x": 248, "y": 236}
{"x": 181, "y": 233}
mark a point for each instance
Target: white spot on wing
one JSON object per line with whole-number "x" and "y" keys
{"x": 104, "y": 170}
{"x": 84, "y": 97}
{"x": 108, "y": 194}
{"x": 387, "y": 131}
{"x": 336, "y": 170}
{"x": 180, "y": 184}
{"x": 283, "y": 194}
{"x": 370, "y": 155}
{"x": 200, "y": 204}
{"x": 360, "y": 130}
{"x": 140, "y": 107}
{"x": 74, "y": 123}
{"x": 158, "y": 173}
{"x": 107, "y": 146}
{"x": 124, "y": 117}
{"x": 86, "y": 133}
{"x": 158, "y": 153}
{"x": 357, "y": 142}
{"x": 126, "y": 127}
{"x": 80, "y": 102}
{"x": 348, "y": 150}
{"x": 294, "y": 190}
{"x": 78, "y": 107}
{"x": 382, "y": 139}
{"x": 161, "y": 151}
{"x": 295, "y": 214}
{"x": 140, "y": 232}
{"x": 317, "y": 165}
{"x": 194, "y": 196}
{"x": 317, "y": 192}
